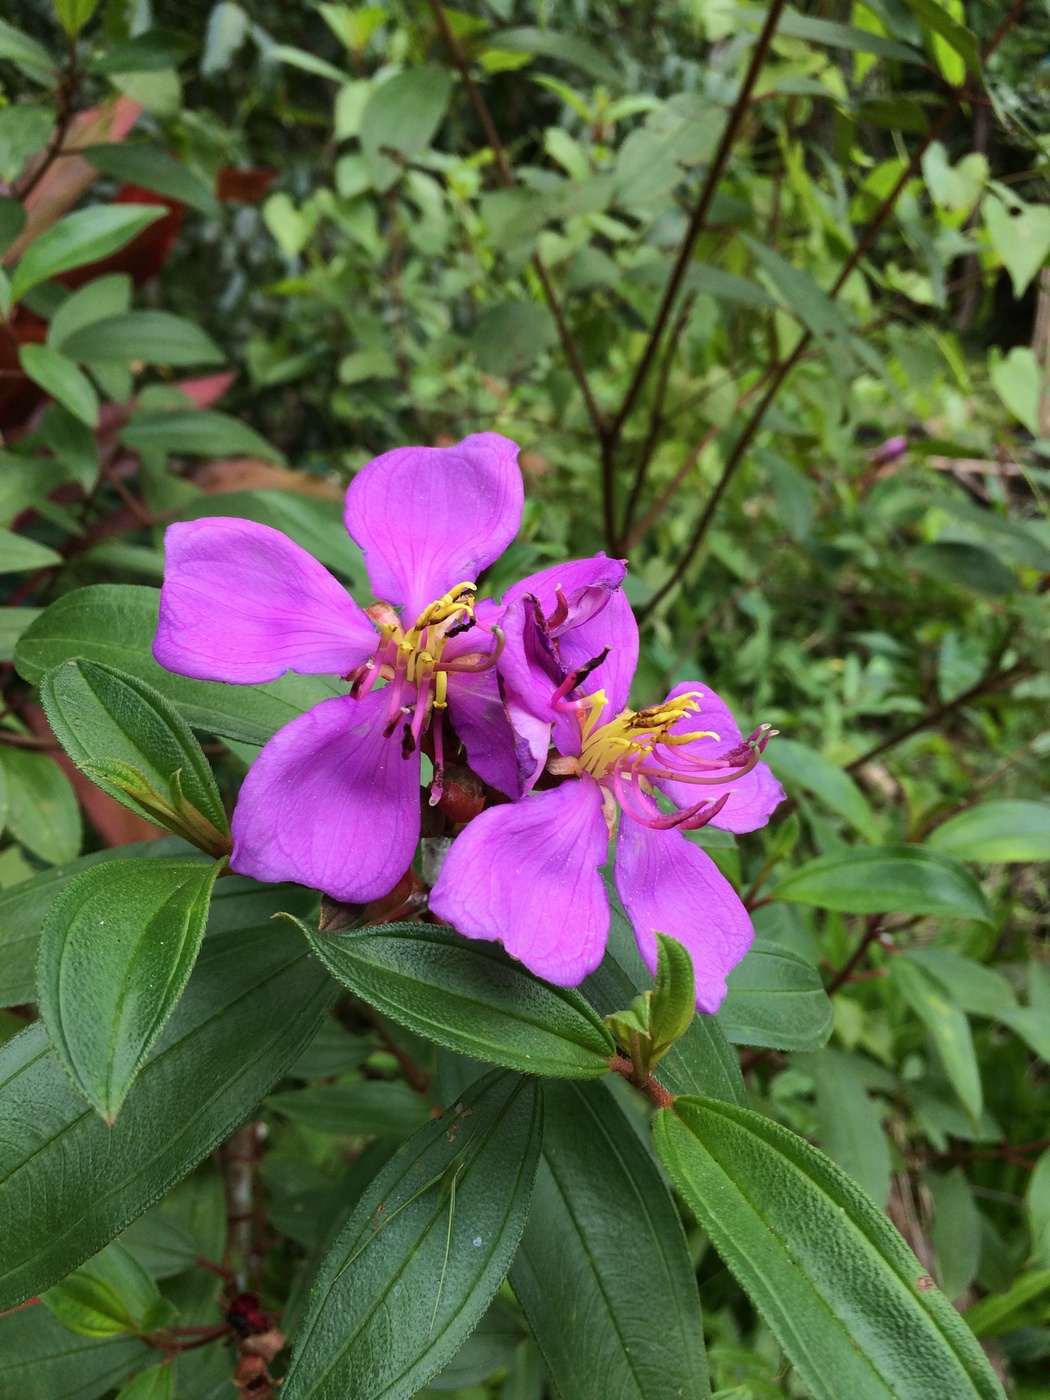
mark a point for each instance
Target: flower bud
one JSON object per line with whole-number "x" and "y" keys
{"x": 463, "y": 797}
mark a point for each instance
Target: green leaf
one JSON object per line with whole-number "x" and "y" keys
{"x": 977, "y": 989}
{"x": 842, "y": 1293}
{"x": 115, "y": 624}
{"x": 468, "y": 995}
{"x": 25, "y": 53}
{"x": 306, "y": 62}
{"x": 565, "y": 48}
{"x": 592, "y": 1279}
{"x": 1037, "y": 1200}
{"x": 155, "y": 1383}
{"x": 956, "y": 1232}
{"x": 12, "y": 221}
{"x": 793, "y": 762}
{"x": 897, "y": 879}
{"x": 98, "y": 713}
{"x": 13, "y": 622}
{"x": 42, "y": 810}
{"x": 109, "y": 1295}
{"x": 154, "y": 336}
{"x": 1001, "y": 1312}
{"x": 373, "y": 1107}
{"x": 117, "y": 948}
{"x": 959, "y": 562}
{"x": 60, "y": 377}
{"x": 23, "y": 907}
{"x": 228, "y": 25}
{"x": 1020, "y": 234}
{"x": 511, "y": 336}
{"x": 702, "y": 1061}
{"x": 834, "y": 34}
{"x": 996, "y": 831}
{"x": 1018, "y": 380}
{"x": 148, "y": 52}
{"x": 41, "y": 1360}
{"x": 777, "y": 999}
{"x": 69, "y": 1183}
{"x": 822, "y": 317}
{"x": 19, "y": 554}
{"x": 424, "y": 1251}
{"x": 25, "y": 128}
{"x": 949, "y": 1029}
{"x": 197, "y": 432}
{"x": 74, "y": 14}
{"x": 401, "y": 119}
{"x": 1032, "y": 1025}
{"x": 850, "y": 1127}
{"x": 936, "y": 18}
{"x": 94, "y": 301}
{"x": 81, "y": 237}
{"x": 153, "y": 169}
{"x": 74, "y": 445}
{"x": 673, "y": 1003}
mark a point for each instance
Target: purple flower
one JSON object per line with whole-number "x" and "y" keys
{"x": 332, "y": 801}
{"x": 527, "y": 874}
{"x": 554, "y": 622}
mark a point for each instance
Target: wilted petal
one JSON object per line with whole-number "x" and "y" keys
{"x": 428, "y": 518}
{"x": 614, "y": 627}
{"x": 527, "y": 876}
{"x": 753, "y": 797}
{"x": 669, "y": 885}
{"x": 479, "y": 716}
{"x": 543, "y": 646}
{"x": 586, "y": 584}
{"x": 243, "y": 603}
{"x": 330, "y": 803}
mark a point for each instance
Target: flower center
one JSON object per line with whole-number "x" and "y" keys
{"x": 416, "y": 654}
{"x": 630, "y": 753}
{"x": 415, "y": 665}
{"x": 633, "y": 737}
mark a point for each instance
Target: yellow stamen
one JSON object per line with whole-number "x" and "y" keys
{"x": 633, "y": 735}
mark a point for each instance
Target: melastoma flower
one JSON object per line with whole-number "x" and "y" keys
{"x": 332, "y": 801}
{"x": 528, "y": 874}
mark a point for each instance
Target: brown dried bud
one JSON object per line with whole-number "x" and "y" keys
{"x": 266, "y": 1344}
{"x": 251, "y": 1377}
{"x": 408, "y": 897}
{"x": 463, "y": 794}
{"x": 336, "y": 916}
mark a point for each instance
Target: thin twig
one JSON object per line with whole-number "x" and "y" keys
{"x": 872, "y": 929}
{"x": 652, "y": 1088}
{"x": 987, "y": 686}
{"x": 656, "y": 422}
{"x": 67, "y": 89}
{"x": 782, "y": 371}
{"x": 508, "y": 178}
{"x": 699, "y": 215}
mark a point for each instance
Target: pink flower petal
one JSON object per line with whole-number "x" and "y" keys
{"x": 428, "y": 518}
{"x": 527, "y": 876}
{"x": 243, "y": 603}
{"x": 669, "y": 885}
{"x": 330, "y": 803}
{"x": 479, "y": 717}
{"x": 537, "y": 659}
{"x": 753, "y": 798}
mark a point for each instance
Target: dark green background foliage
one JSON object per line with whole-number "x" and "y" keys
{"x": 759, "y": 289}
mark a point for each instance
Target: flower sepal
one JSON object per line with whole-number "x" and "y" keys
{"x": 652, "y": 1023}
